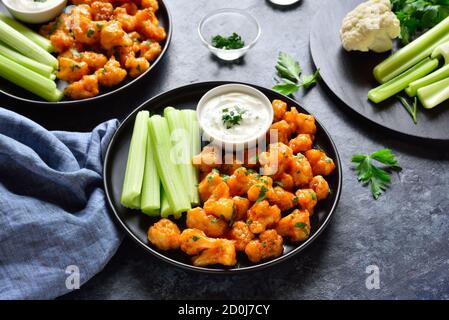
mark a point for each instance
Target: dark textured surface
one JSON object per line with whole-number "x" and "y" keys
{"x": 405, "y": 233}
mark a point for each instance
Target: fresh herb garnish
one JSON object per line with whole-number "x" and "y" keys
{"x": 55, "y": 26}
{"x": 417, "y": 16}
{"x": 195, "y": 238}
{"x": 410, "y": 109}
{"x": 290, "y": 72}
{"x": 262, "y": 193}
{"x": 279, "y": 184}
{"x": 232, "y": 116}
{"x": 234, "y": 41}
{"x": 303, "y": 226}
{"x": 90, "y": 32}
{"x": 231, "y": 221}
{"x": 368, "y": 173}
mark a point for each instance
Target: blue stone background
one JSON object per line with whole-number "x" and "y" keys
{"x": 405, "y": 232}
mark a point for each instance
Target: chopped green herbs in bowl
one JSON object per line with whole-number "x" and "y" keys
{"x": 229, "y": 33}
{"x": 234, "y": 41}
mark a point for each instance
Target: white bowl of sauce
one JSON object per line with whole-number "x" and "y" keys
{"x": 35, "y": 11}
{"x": 234, "y": 115}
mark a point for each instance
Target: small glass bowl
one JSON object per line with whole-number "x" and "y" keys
{"x": 225, "y": 22}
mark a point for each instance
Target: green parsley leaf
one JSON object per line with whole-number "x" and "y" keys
{"x": 232, "y": 116}
{"x": 287, "y": 67}
{"x": 262, "y": 193}
{"x": 417, "y": 16}
{"x": 310, "y": 80}
{"x": 368, "y": 173}
{"x": 234, "y": 41}
{"x": 231, "y": 221}
{"x": 303, "y": 226}
{"x": 90, "y": 32}
{"x": 195, "y": 238}
{"x": 287, "y": 87}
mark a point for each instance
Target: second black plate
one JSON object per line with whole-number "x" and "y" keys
{"x": 16, "y": 92}
{"x": 136, "y": 224}
{"x": 349, "y": 75}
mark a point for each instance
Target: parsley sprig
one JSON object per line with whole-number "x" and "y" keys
{"x": 232, "y": 116}
{"x": 417, "y": 16}
{"x": 290, "y": 72}
{"x": 234, "y": 41}
{"x": 368, "y": 173}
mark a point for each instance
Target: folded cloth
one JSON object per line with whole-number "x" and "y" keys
{"x": 55, "y": 227}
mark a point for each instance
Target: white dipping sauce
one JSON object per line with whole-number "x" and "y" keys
{"x": 247, "y": 117}
{"x": 32, "y": 5}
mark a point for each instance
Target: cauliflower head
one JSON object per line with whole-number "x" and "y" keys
{"x": 370, "y": 26}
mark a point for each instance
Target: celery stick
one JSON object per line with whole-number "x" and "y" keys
{"x": 150, "y": 198}
{"x": 41, "y": 41}
{"x": 412, "y": 53}
{"x": 177, "y": 196}
{"x": 25, "y": 46}
{"x": 29, "y": 80}
{"x": 181, "y": 145}
{"x": 195, "y": 148}
{"x": 166, "y": 211}
{"x": 434, "y": 94}
{"x": 402, "y": 81}
{"x": 132, "y": 184}
{"x": 435, "y": 76}
{"x": 31, "y": 64}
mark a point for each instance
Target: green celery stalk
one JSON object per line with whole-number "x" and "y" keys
{"x": 402, "y": 81}
{"x": 25, "y": 46}
{"x": 41, "y": 41}
{"x": 177, "y": 196}
{"x": 150, "y": 198}
{"x": 135, "y": 166}
{"x": 432, "y": 95}
{"x": 29, "y": 80}
{"x": 180, "y": 142}
{"x": 166, "y": 211}
{"x": 31, "y": 64}
{"x": 435, "y": 76}
{"x": 412, "y": 53}
{"x": 193, "y": 131}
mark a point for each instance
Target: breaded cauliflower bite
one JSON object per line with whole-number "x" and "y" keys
{"x": 296, "y": 225}
{"x": 165, "y": 235}
{"x": 207, "y": 251}
{"x": 212, "y": 226}
{"x": 223, "y": 252}
{"x": 320, "y": 162}
{"x": 268, "y": 246}
{"x": 261, "y": 216}
{"x": 241, "y": 235}
{"x": 320, "y": 186}
{"x": 193, "y": 241}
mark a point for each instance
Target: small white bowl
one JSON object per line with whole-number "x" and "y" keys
{"x": 36, "y": 16}
{"x": 235, "y": 88}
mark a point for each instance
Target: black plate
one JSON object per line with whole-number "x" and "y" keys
{"x": 136, "y": 224}
{"x": 18, "y": 93}
{"x": 349, "y": 76}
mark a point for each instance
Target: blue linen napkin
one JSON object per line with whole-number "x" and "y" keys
{"x": 54, "y": 220}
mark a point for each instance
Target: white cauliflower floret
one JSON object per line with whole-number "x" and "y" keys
{"x": 370, "y": 26}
